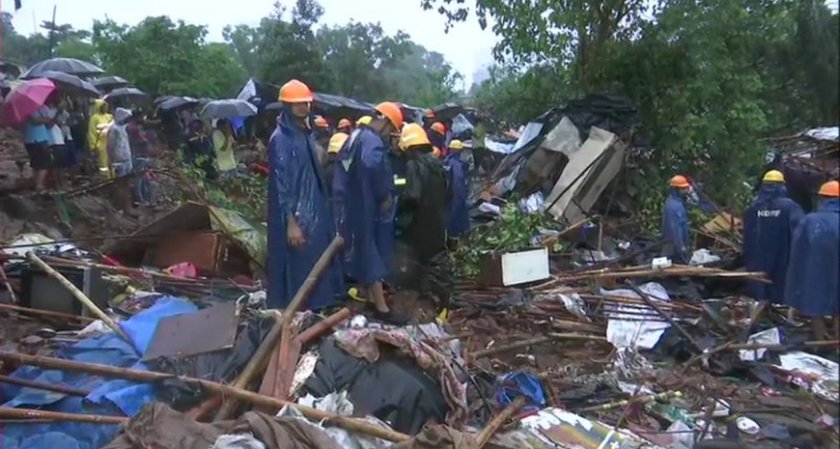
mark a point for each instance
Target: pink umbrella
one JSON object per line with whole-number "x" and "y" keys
{"x": 27, "y": 98}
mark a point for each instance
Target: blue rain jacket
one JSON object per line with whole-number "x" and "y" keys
{"x": 812, "y": 280}
{"x": 368, "y": 185}
{"x": 768, "y": 229}
{"x": 458, "y": 222}
{"x": 675, "y": 228}
{"x": 296, "y": 188}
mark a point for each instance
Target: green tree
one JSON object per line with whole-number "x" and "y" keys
{"x": 354, "y": 54}
{"x": 570, "y": 33}
{"x": 420, "y": 78}
{"x": 164, "y": 57}
{"x": 287, "y": 49}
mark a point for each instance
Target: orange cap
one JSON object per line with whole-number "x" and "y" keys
{"x": 344, "y": 123}
{"x": 439, "y": 127}
{"x": 830, "y": 189}
{"x": 321, "y": 122}
{"x": 393, "y": 112}
{"x": 679, "y": 181}
{"x": 295, "y": 92}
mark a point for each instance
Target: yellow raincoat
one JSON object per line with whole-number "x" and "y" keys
{"x": 97, "y": 141}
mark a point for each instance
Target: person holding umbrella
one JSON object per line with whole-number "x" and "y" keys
{"x": 222, "y": 138}
{"x": 36, "y": 140}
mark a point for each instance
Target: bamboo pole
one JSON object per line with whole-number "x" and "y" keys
{"x": 80, "y": 296}
{"x": 25, "y": 413}
{"x": 533, "y": 341}
{"x": 344, "y": 422}
{"x": 46, "y": 313}
{"x": 493, "y": 426}
{"x": 42, "y": 386}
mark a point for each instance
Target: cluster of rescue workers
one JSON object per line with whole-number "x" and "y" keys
{"x": 372, "y": 172}
{"x": 799, "y": 253}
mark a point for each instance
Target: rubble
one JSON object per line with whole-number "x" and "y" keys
{"x": 560, "y": 328}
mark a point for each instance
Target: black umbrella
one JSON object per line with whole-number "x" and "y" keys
{"x": 228, "y": 109}
{"x": 177, "y": 102}
{"x": 275, "y": 106}
{"x": 126, "y": 92}
{"x": 10, "y": 68}
{"x": 447, "y": 111}
{"x": 110, "y": 82}
{"x": 71, "y": 82}
{"x": 67, "y": 65}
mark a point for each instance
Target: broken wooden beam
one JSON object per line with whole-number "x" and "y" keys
{"x": 493, "y": 426}
{"x": 352, "y": 424}
{"x": 255, "y": 365}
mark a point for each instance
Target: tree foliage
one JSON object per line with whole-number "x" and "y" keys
{"x": 711, "y": 77}
{"x": 162, "y": 56}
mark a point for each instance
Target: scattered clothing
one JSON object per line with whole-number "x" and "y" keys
{"x": 297, "y": 190}
{"x": 812, "y": 286}
{"x": 768, "y": 229}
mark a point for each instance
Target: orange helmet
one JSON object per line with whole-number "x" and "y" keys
{"x": 321, "y": 122}
{"x": 344, "y": 123}
{"x": 679, "y": 182}
{"x": 393, "y": 112}
{"x": 295, "y": 92}
{"x": 439, "y": 128}
{"x": 830, "y": 189}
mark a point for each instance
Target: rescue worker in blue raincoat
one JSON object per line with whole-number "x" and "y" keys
{"x": 458, "y": 222}
{"x": 813, "y": 285}
{"x": 768, "y": 228}
{"x": 675, "y": 222}
{"x": 367, "y": 182}
{"x": 300, "y": 224}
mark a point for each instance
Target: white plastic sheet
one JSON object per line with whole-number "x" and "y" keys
{"x": 337, "y": 403}
{"x": 625, "y": 330}
{"x": 702, "y": 257}
{"x": 831, "y": 133}
{"x": 237, "y": 442}
{"x": 823, "y": 374}
{"x": 770, "y": 336}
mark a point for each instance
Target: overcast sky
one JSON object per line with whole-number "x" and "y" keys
{"x": 467, "y": 47}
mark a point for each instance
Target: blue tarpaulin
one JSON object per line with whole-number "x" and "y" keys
{"x": 108, "y": 396}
